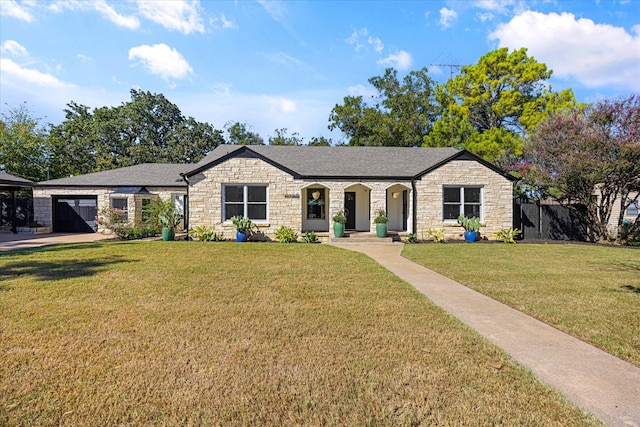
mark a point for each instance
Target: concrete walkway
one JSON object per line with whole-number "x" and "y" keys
{"x": 9, "y": 241}
{"x": 592, "y": 379}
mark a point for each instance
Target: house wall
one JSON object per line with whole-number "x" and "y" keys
{"x": 497, "y": 198}
{"x": 612, "y": 226}
{"x": 43, "y": 201}
{"x": 288, "y": 195}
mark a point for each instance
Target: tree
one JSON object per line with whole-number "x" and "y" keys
{"x": 489, "y": 107}
{"x": 281, "y": 138}
{"x": 589, "y": 159}
{"x": 147, "y": 129}
{"x": 320, "y": 141}
{"x": 401, "y": 114}
{"x": 239, "y": 134}
{"x": 24, "y": 148}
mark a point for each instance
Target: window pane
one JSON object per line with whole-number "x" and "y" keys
{"x": 315, "y": 203}
{"x": 471, "y": 211}
{"x": 233, "y": 193}
{"x": 233, "y": 210}
{"x": 257, "y": 212}
{"x": 452, "y": 194}
{"x": 257, "y": 194}
{"x": 119, "y": 204}
{"x": 472, "y": 195}
{"x": 451, "y": 211}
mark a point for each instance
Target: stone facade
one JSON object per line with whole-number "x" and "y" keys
{"x": 287, "y": 197}
{"x": 43, "y": 199}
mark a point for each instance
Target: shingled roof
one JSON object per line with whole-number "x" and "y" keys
{"x": 143, "y": 175}
{"x": 8, "y": 180}
{"x": 343, "y": 161}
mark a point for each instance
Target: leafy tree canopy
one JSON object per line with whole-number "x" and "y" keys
{"x": 588, "y": 159}
{"x": 147, "y": 129}
{"x": 281, "y": 137}
{"x": 400, "y": 115}
{"x": 239, "y": 134}
{"x": 490, "y": 107}
{"x": 24, "y": 148}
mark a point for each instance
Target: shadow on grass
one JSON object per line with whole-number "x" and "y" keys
{"x": 631, "y": 288}
{"x": 56, "y": 270}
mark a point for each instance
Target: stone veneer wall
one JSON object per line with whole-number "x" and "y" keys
{"x": 205, "y": 195}
{"x": 497, "y": 198}
{"x": 43, "y": 207}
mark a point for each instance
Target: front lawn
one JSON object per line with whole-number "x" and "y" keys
{"x": 187, "y": 333}
{"x": 591, "y": 292}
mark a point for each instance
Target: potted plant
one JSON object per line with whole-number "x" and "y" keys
{"x": 339, "y": 221}
{"x": 381, "y": 223}
{"x": 168, "y": 218}
{"x": 244, "y": 227}
{"x": 471, "y": 227}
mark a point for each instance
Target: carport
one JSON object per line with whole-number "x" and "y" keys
{"x": 13, "y": 184}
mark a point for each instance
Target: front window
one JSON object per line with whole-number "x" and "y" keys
{"x": 316, "y": 203}
{"x": 458, "y": 201}
{"x": 245, "y": 200}
{"x": 632, "y": 210}
{"x": 120, "y": 206}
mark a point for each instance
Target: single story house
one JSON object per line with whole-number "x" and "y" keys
{"x": 301, "y": 187}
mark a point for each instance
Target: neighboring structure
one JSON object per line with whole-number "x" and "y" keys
{"x": 630, "y": 214}
{"x": 12, "y": 184}
{"x": 301, "y": 187}
{"x": 71, "y": 204}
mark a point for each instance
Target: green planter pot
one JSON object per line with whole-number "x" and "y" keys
{"x": 381, "y": 230}
{"x": 338, "y": 229}
{"x": 168, "y": 234}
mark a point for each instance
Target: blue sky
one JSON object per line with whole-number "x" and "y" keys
{"x": 286, "y": 64}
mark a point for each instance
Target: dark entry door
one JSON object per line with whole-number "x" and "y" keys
{"x": 75, "y": 214}
{"x": 350, "y": 209}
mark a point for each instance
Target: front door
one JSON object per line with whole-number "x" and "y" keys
{"x": 350, "y": 209}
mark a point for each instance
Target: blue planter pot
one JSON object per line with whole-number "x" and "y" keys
{"x": 381, "y": 230}
{"x": 241, "y": 236}
{"x": 470, "y": 236}
{"x": 338, "y": 229}
{"x": 168, "y": 234}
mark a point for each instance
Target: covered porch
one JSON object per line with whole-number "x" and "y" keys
{"x": 12, "y": 184}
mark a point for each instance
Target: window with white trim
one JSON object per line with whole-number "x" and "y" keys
{"x": 245, "y": 200}
{"x": 459, "y": 200}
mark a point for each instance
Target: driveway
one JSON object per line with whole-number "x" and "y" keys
{"x": 9, "y": 241}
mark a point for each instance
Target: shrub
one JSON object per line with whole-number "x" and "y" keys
{"x": 469, "y": 224}
{"x": 310, "y": 237}
{"x": 437, "y": 235}
{"x": 340, "y": 217}
{"x": 286, "y": 234}
{"x": 411, "y": 238}
{"x": 202, "y": 233}
{"x": 507, "y": 235}
{"x": 381, "y": 217}
{"x": 116, "y": 221}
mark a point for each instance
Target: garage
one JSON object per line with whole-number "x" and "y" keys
{"x": 74, "y": 214}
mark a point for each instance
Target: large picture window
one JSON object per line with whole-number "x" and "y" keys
{"x": 315, "y": 203}
{"x": 245, "y": 200}
{"x": 121, "y": 207}
{"x": 458, "y": 201}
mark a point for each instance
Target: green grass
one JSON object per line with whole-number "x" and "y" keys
{"x": 180, "y": 333}
{"x": 591, "y": 292}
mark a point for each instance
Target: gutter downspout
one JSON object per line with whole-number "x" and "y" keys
{"x": 186, "y": 205}
{"x": 414, "y": 208}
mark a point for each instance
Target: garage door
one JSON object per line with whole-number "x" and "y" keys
{"x": 75, "y": 215}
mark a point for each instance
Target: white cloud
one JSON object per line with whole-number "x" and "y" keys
{"x": 222, "y": 22}
{"x": 183, "y": 16}
{"x": 15, "y": 10}
{"x": 447, "y": 16}
{"x": 109, "y": 12}
{"x": 275, "y": 9}
{"x": 161, "y": 60}
{"x": 596, "y": 55}
{"x": 283, "y": 105}
{"x": 13, "y": 48}
{"x": 11, "y": 70}
{"x": 484, "y": 16}
{"x": 84, "y": 58}
{"x": 498, "y": 6}
{"x": 376, "y": 43}
{"x": 401, "y": 61}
